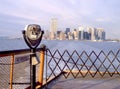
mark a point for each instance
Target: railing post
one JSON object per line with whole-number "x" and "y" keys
{"x": 41, "y": 69}
{"x": 11, "y": 70}
{"x": 32, "y": 71}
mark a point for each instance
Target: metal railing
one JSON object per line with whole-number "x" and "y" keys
{"x": 15, "y": 69}
{"x": 82, "y": 64}
{"x": 15, "y": 66}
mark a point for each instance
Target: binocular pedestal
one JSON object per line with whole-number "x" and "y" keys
{"x": 33, "y": 36}
{"x": 32, "y": 70}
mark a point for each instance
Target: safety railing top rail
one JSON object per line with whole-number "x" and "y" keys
{"x": 15, "y": 52}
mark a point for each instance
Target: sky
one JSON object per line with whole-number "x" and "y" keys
{"x": 15, "y": 14}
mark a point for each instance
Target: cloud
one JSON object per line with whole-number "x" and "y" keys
{"x": 102, "y": 20}
{"x": 69, "y": 12}
{"x": 36, "y": 9}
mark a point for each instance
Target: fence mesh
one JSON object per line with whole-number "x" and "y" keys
{"x": 82, "y": 64}
{"x": 21, "y": 74}
{"x": 4, "y": 72}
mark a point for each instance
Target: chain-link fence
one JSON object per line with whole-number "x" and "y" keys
{"x": 15, "y": 69}
{"x": 4, "y": 72}
{"x": 14, "y": 72}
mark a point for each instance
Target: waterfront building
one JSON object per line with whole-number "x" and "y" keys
{"x": 91, "y": 31}
{"x": 101, "y": 34}
{"x": 66, "y": 32}
{"x": 53, "y": 28}
{"x": 70, "y": 36}
{"x": 75, "y": 34}
{"x": 80, "y": 33}
{"x": 58, "y": 35}
{"x": 47, "y": 34}
{"x": 86, "y": 35}
{"x": 62, "y": 36}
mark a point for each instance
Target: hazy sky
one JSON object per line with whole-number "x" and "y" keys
{"x": 15, "y": 14}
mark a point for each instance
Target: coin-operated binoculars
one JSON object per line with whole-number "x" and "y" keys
{"x": 33, "y": 36}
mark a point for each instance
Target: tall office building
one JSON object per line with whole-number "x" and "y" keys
{"x": 66, "y": 32}
{"x": 75, "y": 34}
{"x": 62, "y": 36}
{"x": 70, "y": 36}
{"x": 81, "y": 32}
{"x": 53, "y": 28}
{"x": 101, "y": 34}
{"x": 92, "y": 33}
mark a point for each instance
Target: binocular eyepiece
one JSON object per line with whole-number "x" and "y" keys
{"x": 32, "y": 35}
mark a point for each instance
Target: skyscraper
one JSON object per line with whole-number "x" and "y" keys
{"x": 101, "y": 34}
{"x": 92, "y": 32}
{"x": 53, "y": 28}
{"x": 81, "y": 32}
{"x": 67, "y": 30}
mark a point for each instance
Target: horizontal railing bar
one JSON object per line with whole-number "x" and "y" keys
{"x": 15, "y": 52}
{"x": 20, "y": 83}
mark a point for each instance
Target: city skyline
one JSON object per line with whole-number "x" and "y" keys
{"x": 82, "y": 33}
{"x": 70, "y": 13}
